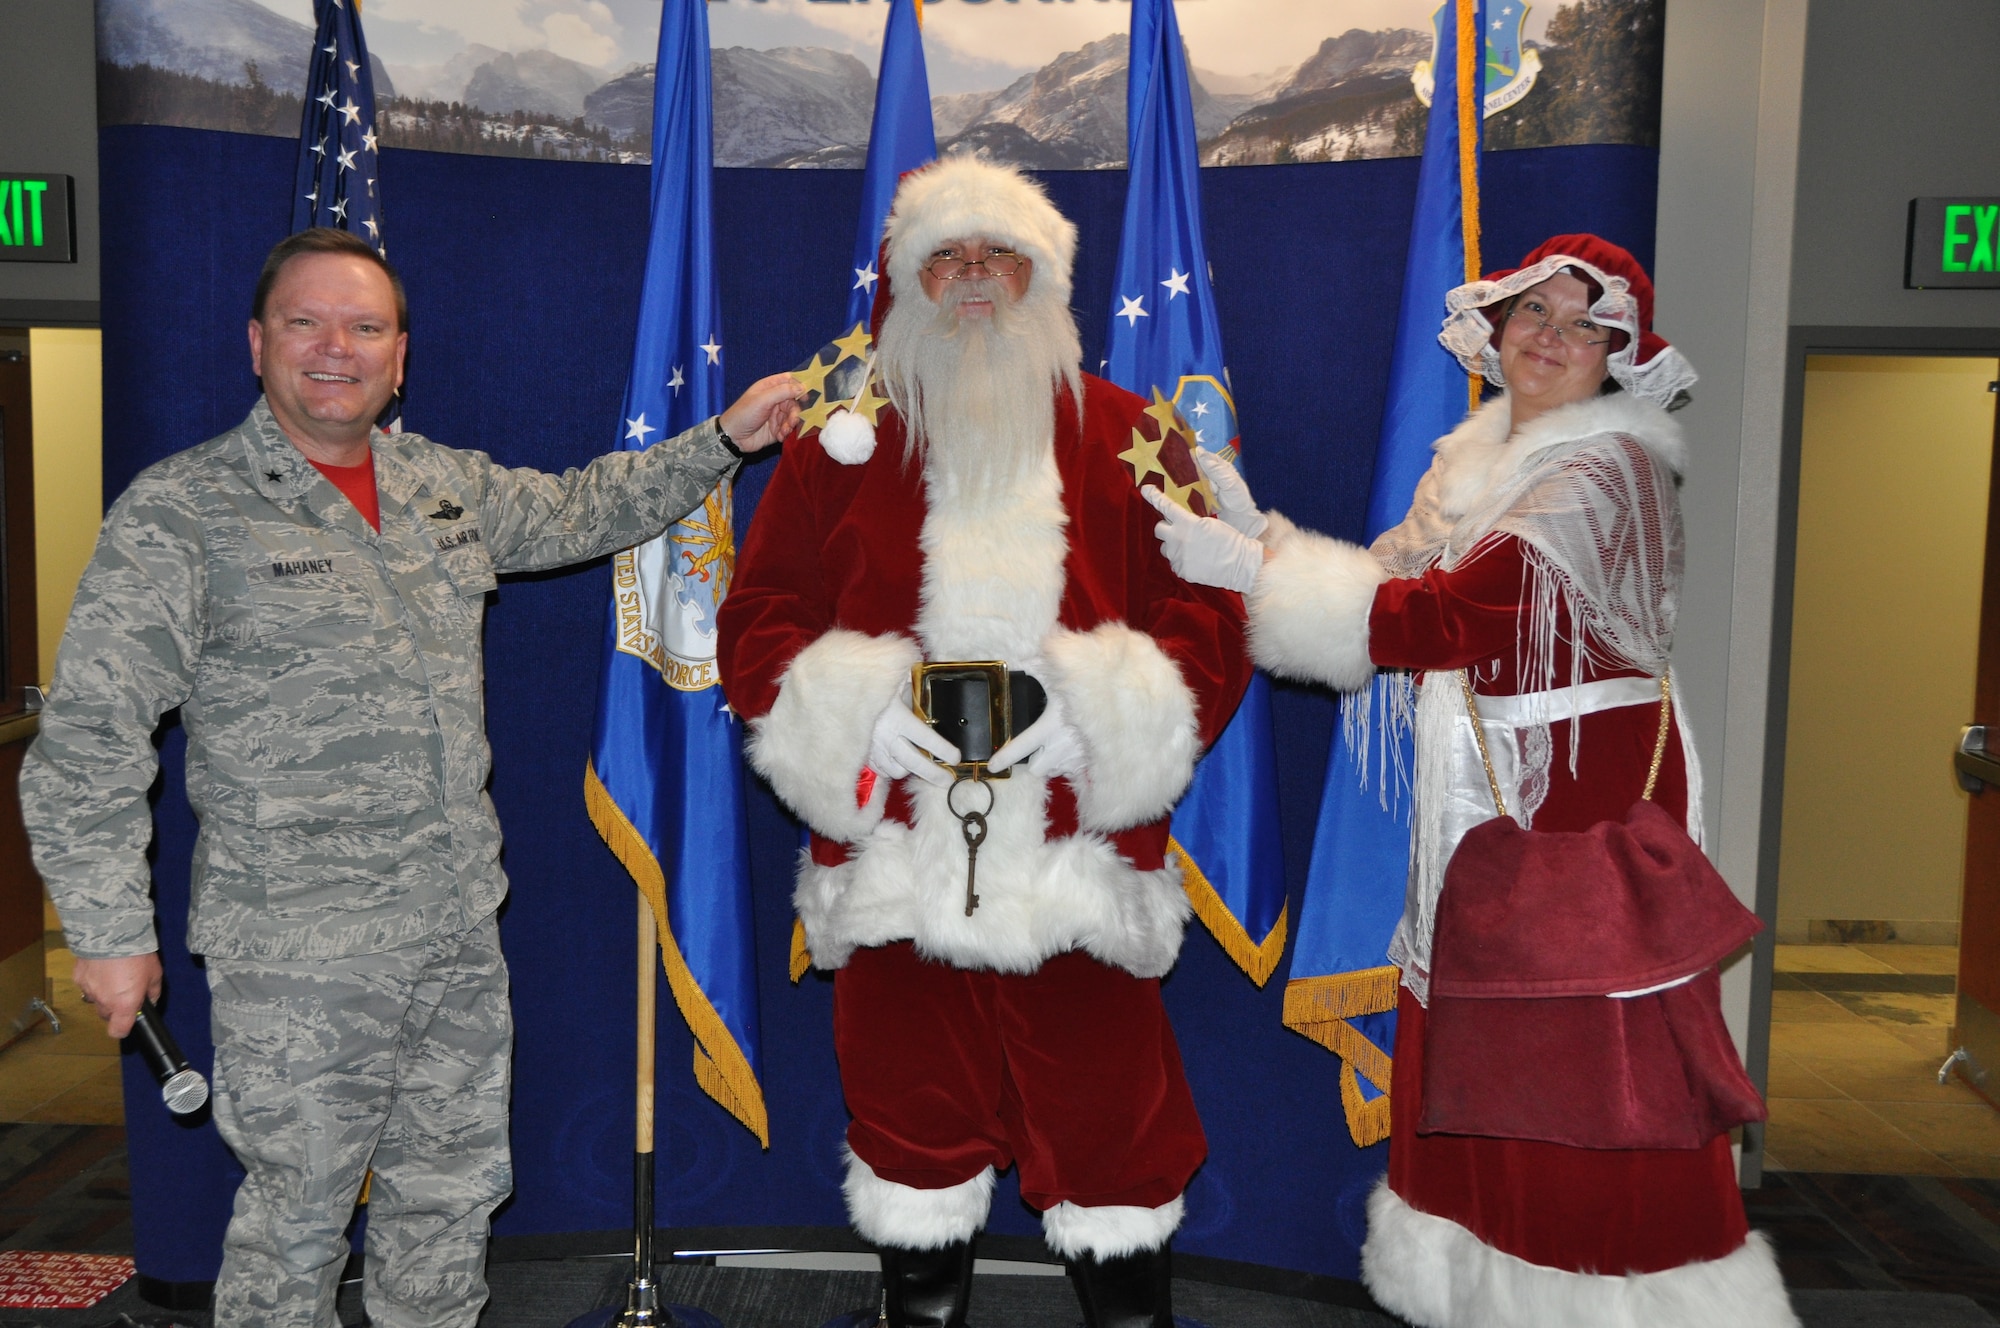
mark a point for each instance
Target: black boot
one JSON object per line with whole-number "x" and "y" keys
{"x": 926, "y": 1288}
{"x": 1131, "y": 1291}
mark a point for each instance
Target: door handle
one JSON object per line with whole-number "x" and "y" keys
{"x": 1975, "y": 766}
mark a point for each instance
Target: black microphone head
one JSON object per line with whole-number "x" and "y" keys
{"x": 184, "y": 1092}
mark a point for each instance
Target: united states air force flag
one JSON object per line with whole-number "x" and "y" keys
{"x": 336, "y": 182}
{"x": 665, "y": 784}
{"x": 1342, "y": 989}
{"x": 901, "y": 138}
{"x": 1166, "y": 343}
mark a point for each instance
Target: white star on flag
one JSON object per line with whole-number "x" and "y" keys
{"x": 865, "y": 278}
{"x": 331, "y": 48}
{"x": 1177, "y": 284}
{"x": 713, "y": 349}
{"x": 353, "y": 70}
{"x": 350, "y": 110}
{"x": 1134, "y": 310}
{"x": 319, "y": 148}
{"x": 340, "y": 209}
{"x": 1199, "y": 409}
{"x": 347, "y": 159}
{"x": 677, "y": 382}
{"x": 326, "y": 100}
{"x": 368, "y": 139}
{"x": 373, "y": 232}
{"x": 313, "y": 197}
{"x": 639, "y": 429}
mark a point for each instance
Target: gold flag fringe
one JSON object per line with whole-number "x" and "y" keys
{"x": 1367, "y": 1121}
{"x": 720, "y": 1067}
{"x": 1258, "y": 959}
{"x": 802, "y": 955}
{"x": 1319, "y": 1008}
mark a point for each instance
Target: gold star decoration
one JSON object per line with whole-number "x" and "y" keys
{"x": 1144, "y": 457}
{"x": 816, "y": 415}
{"x": 813, "y": 376}
{"x": 866, "y": 403}
{"x": 854, "y": 346}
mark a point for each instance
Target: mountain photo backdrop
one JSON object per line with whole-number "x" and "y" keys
{"x": 1038, "y": 83}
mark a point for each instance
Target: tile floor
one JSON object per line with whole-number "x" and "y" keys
{"x": 66, "y": 1078}
{"x": 1857, "y": 1035}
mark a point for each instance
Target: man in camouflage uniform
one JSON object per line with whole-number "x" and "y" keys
{"x": 309, "y": 592}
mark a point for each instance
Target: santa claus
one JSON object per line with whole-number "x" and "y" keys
{"x": 997, "y": 933}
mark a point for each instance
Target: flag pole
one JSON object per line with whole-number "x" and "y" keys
{"x": 641, "y": 1295}
{"x": 643, "y": 1308}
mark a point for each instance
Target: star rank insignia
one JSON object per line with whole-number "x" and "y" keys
{"x": 274, "y": 475}
{"x": 839, "y": 375}
{"x": 1162, "y": 456}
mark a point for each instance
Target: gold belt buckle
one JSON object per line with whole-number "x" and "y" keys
{"x": 970, "y": 705}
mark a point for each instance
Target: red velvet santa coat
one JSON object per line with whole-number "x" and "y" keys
{"x": 1500, "y": 1232}
{"x": 852, "y": 574}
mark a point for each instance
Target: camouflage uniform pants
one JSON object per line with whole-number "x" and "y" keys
{"x": 324, "y": 1068}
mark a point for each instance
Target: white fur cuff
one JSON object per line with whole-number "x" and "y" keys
{"x": 1137, "y": 720}
{"x": 1110, "y": 1233}
{"x": 1309, "y": 608}
{"x": 1436, "y": 1274}
{"x": 905, "y": 1218}
{"x": 815, "y": 740}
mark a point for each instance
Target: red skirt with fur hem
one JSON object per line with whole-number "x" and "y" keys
{"x": 1581, "y": 1210}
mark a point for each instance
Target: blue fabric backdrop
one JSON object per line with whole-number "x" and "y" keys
{"x": 522, "y": 278}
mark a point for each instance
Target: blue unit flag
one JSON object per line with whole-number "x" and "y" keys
{"x": 1166, "y": 342}
{"x": 901, "y": 138}
{"x": 665, "y": 781}
{"x": 1342, "y": 988}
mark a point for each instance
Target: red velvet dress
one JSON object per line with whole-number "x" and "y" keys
{"x": 1579, "y": 1210}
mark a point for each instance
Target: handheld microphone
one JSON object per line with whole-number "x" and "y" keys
{"x": 181, "y": 1088}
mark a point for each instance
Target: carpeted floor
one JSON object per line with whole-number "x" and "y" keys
{"x": 1858, "y": 1252}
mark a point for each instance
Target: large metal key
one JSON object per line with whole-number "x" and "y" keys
{"x": 974, "y": 826}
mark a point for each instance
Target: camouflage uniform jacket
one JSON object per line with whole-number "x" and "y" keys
{"x": 329, "y": 678}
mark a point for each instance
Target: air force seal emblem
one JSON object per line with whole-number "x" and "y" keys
{"x": 1511, "y": 68}
{"x": 665, "y": 593}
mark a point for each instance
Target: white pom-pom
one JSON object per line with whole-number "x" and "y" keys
{"x": 848, "y": 438}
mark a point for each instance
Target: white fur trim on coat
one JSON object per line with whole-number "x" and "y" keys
{"x": 1110, "y": 1232}
{"x": 1436, "y": 1274}
{"x": 1038, "y": 897}
{"x": 1483, "y": 451}
{"x": 813, "y": 743}
{"x": 906, "y": 1218}
{"x": 1136, "y": 717}
{"x": 1309, "y": 609}
{"x": 956, "y": 198}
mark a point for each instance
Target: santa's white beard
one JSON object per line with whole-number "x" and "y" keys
{"x": 978, "y": 395}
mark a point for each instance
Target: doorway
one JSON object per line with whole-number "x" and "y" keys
{"x": 1894, "y": 470}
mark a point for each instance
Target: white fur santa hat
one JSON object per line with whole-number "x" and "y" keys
{"x": 957, "y": 198}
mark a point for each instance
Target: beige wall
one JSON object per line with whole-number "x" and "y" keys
{"x": 66, "y": 377}
{"x": 1894, "y": 463}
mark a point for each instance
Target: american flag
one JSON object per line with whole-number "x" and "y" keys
{"x": 336, "y": 184}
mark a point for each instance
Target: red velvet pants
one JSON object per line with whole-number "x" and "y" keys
{"x": 1583, "y": 1210}
{"x": 1072, "y": 1071}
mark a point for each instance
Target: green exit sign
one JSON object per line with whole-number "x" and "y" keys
{"x": 37, "y": 219}
{"x": 1954, "y": 244}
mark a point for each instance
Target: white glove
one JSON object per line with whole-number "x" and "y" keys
{"x": 1204, "y": 549}
{"x": 899, "y": 743}
{"x": 1051, "y": 746}
{"x": 1232, "y": 495}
